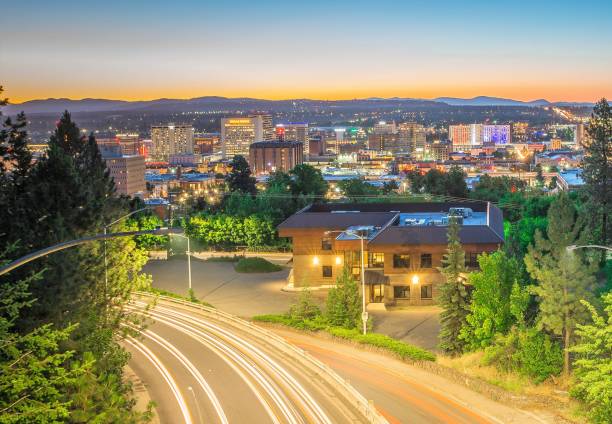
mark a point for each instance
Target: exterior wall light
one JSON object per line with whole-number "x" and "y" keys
{"x": 338, "y": 260}
{"x": 415, "y": 279}
{"x": 315, "y": 260}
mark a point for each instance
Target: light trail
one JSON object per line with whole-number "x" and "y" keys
{"x": 165, "y": 374}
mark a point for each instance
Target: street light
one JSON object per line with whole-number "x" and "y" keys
{"x": 364, "y": 313}
{"x": 188, "y": 258}
{"x": 71, "y": 243}
{"x": 587, "y": 246}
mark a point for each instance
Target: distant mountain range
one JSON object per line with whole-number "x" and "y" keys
{"x": 245, "y": 103}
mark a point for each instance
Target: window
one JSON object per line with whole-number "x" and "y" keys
{"x": 326, "y": 243}
{"x": 327, "y": 271}
{"x": 426, "y": 291}
{"x": 401, "y": 261}
{"x": 401, "y": 292}
{"x": 376, "y": 260}
{"x": 351, "y": 261}
{"x": 426, "y": 260}
{"x": 471, "y": 260}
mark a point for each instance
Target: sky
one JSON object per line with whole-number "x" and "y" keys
{"x": 141, "y": 50}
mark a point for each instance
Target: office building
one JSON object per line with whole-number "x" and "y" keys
{"x": 404, "y": 244}
{"x": 384, "y": 127}
{"x": 496, "y": 134}
{"x": 130, "y": 144}
{"x": 238, "y": 133}
{"x": 266, "y": 157}
{"x": 411, "y": 138}
{"x": 440, "y": 151}
{"x": 294, "y": 131}
{"x": 464, "y": 136}
{"x": 170, "y": 140}
{"x": 206, "y": 143}
{"x": 128, "y": 173}
{"x": 387, "y": 142}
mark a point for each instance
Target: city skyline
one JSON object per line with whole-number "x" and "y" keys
{"x": 553, "y": 50}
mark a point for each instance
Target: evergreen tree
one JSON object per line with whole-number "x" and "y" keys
{"x": 454, "y": 298}
{"x": 563, "y": 278}
{"x": 593, "y": 367}
{"x": 344, "y": 302}
{"x": 539, "y": 175}
{"x": 240, "y": 179}
{"x": 355, "y": 189}
{"x": 455, "y": 182}
{"x": 597, "y": 170}
{"x": 389, "y": 187}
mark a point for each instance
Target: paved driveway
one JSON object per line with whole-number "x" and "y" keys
{"x": 418, "y": 325}
{"x": 244, "y": 295}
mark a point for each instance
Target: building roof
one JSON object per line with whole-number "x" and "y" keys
{"x": 396, "y": 223}
{"x": 264, "y": 144}
{"x": 335, "y": 220}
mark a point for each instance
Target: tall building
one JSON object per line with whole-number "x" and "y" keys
{"x": 206, "y": 143}
{"x": 496, "y": 134}
{"x": 294, "y": 131}
{"x": 464, "y": 136}
{"x": 128, "y": 172}
{"x": 238, "y": 133}
{"x": 440, "y": 151}
{"x": 411, "y": 137}
{"x": 387, "y": 142}
{"x": 384, "y": 127}
{"x": 266, "y": 157}
{"x": 170, "y": 140}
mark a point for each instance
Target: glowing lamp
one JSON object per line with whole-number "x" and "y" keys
{"x": 338, "y": 260}
{"x": 415, "y": 279}
{"x": 315, "y": 260}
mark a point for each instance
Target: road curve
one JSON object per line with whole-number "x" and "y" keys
{"x": 205, "y": 366}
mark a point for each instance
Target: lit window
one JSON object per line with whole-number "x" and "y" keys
{"x": 401, "y": 261}
{"x": 401, "y": 292}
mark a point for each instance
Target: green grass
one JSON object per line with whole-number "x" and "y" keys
{"x": 190, "y": 298}
{"x": 234, "y": 258}
{"x": 402, "y": 349}
{"x": 254, "y": 265}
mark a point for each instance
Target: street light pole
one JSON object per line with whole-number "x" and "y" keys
{"x": 71, "y": 243}
{"x": 188, "y": 259}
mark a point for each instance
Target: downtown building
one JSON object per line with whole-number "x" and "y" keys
{"x": 293, "y": 131}
{"x": 127, "y": 171}
{"x": 404, "y": 244}
{"x": 411, "y": 139}
{"x": 238, "y": 133}
{"x": 169, "y": 140}
{"x": 266, "y": 157}
{"x": 466, "y": 136}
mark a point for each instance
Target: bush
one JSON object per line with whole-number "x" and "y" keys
{"x": 305, "y": 307}
{"x": 234, "y": 258}
{"x": 402, "y": 349}
{"x": 254, "y": 265}
{"x": 526, "y": 351}
{"x": 190, "y": 296}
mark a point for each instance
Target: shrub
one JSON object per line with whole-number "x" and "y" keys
{"x": 305, "y": 307}
{"x": 254, "y": 265}
{"x": 402, "y": 349}
{"x": 526, "y": 351}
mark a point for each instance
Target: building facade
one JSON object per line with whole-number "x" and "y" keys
{"x": 411, "y": 138}
{"x": 128, "y": 172}
{"x": 266, "y": 157}
{"x": 238, "y": 133}
{"x": 403, "y": 245}
{"x": 294, "y": 131}
{"x": 170, "y": 140}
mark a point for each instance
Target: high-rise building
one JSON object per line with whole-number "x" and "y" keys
{"x": 238, "y": 133}
{"x": 128, "y": 172}
{"x": 294, "y": 131}
{"x": 384, "y": 127}
{"x": 496, "y": 134}
{"x": 411, "y": 138}
{"x": 464, "y": 136}
{"x": 206, "y": 143}
{"x": 439, "y": 150}
{"x": 387, "y": 142}
{"x": 270, "y": 156}
{"x": 170, "y": 140}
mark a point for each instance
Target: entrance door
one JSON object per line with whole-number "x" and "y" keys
{"x": 377, "y": 293}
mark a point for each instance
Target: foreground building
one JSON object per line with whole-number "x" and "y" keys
{"x": 403, "y": 245}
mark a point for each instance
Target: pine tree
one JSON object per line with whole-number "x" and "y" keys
{"x": 597, "y": 170}
{"x": 564, "y": 279}
{"x": 454, "y": 298}
{"x": 344, "y": 302}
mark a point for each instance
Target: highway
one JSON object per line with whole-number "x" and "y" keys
{"x": 205, "y": 366}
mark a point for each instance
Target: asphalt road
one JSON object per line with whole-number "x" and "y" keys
{"x": 200, "y": 367}
{"x": 407, "y": 394}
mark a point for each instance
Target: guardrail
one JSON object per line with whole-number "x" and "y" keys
{"x": 355, "y": 398}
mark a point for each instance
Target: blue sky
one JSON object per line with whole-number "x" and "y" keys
{"x": 337, "y": 49}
